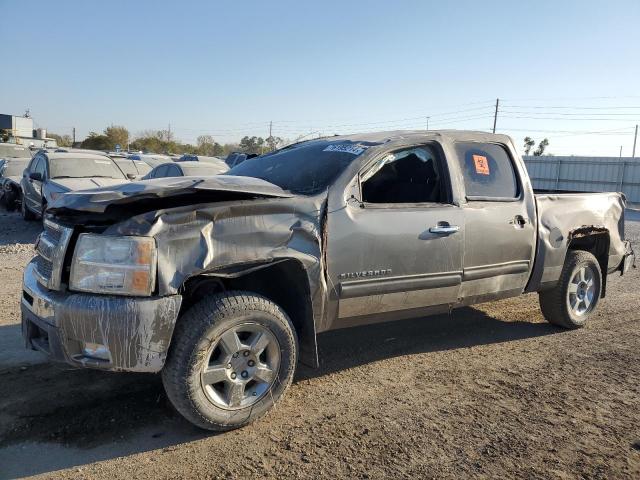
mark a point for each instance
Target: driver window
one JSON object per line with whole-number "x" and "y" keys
{"x": 407, "y": 176}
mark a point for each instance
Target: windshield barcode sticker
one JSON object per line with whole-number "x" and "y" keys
{"x": 352, "y": 149}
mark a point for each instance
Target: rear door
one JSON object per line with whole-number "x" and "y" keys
{"x": 499, "y": 217}
{"x": 398, "y": 253}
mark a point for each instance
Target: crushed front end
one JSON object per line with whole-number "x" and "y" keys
{"x": 128, "y": 331}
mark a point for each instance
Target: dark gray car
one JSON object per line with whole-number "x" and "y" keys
{"x": 49, "y": 175}
{"x": 223, "y": 283}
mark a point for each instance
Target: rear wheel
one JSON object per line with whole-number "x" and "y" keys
{"x": 26, "y": 213}
{"x": 573, "y": 300}
{"x": 232, "y": 357}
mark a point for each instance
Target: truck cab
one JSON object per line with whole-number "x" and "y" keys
{"x": 223, "y": 283}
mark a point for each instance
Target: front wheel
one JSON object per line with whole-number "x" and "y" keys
{"x": 573, "y": 300}
{"x": 232, "y": 357}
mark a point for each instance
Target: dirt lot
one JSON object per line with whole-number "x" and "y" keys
{"x": 492, "y": 392}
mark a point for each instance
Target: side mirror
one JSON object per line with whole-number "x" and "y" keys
{"x": 37, "y": 176}
{"x": 131, "y": 176}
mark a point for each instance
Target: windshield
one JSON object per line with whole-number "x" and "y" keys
{"x": 84, "y": 167}
{"x": 306, "y": 168}
{"x": 9, "y": 150}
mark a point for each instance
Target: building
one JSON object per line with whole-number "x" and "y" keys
{"x": 21, "y": 132}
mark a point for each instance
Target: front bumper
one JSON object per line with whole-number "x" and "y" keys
{"x": 135, "y": 331}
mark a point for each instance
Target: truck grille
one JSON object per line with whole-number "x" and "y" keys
{"x": 51, "y": 247}
{"x": 44, "y": 267}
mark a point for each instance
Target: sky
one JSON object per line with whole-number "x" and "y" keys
{"x": 565, "y": 70}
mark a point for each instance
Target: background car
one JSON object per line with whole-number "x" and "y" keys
{"x": 49, "y": 175}
{"x": 187, "y": 169}
{"x": 151, "y": 159}
{"x": 10, "y": 173}
{"x": 133, "y": 169}
{"x": 236, "y": 158}
{"x": 190, "y": 157}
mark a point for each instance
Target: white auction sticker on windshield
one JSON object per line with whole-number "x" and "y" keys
{"x": 352, "y": 149}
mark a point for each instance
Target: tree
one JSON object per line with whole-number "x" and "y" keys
{"x": 273, "y": 143}
{"x": 61, "y": 140}
{"x": 117, "y": 135}
{"x": 96, "y": 141}
{"x": 528, "y": 144}
{"x": 541, "y": 147}
{"x": 252, "y": 144}
{"x": 208, "y": 146}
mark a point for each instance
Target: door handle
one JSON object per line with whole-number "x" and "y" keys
{"x": 443, "y": 228}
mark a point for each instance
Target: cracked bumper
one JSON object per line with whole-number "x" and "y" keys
{"x": 135, "y": 331}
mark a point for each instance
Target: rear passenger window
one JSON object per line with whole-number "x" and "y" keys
{"x": 487, "y": 169}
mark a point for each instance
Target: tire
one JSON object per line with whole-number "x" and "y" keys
{"x": 206, "y": 336}
{"x": 573, "y": 300}
{"x": 27, "y": 214}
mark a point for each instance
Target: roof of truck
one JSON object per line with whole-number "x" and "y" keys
{"x": 383, "y": 137}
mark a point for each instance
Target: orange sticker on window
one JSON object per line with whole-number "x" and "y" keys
{"x": 482, "y": 164}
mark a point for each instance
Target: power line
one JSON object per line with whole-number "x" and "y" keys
{"x": 570, "y": 114}
{"x": 571, "y": 107}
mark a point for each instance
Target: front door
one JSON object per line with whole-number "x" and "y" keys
{"x": 33, "y": 194}
{"x": 398, "y": 252}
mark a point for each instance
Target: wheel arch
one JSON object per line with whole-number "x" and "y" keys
{"x": 284, "y": 281}
{"x": 595, "y": 240}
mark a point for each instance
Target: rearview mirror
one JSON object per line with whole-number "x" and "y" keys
{"x": 37, "y": 176}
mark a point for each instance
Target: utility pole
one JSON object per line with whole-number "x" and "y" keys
{"x": 169, "y": 133}
{"x": 495, "y": 115}
{"x": 620, "y": 151}
{"x": 270, "y": 128}
{"x": 74, "y": 135}
{"x": 635, "y": 138}
{"x": 428, "y": 122}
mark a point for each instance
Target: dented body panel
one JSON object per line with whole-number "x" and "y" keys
{"x": 564, "y": 217}
{"x": 362, "y": 262}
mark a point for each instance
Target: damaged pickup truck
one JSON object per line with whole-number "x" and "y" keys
{"x": 223, "y": 283}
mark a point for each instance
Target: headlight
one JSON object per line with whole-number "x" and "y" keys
{"x": 116, "y": 265}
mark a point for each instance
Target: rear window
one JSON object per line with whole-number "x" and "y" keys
{"x": 487, "y": 169}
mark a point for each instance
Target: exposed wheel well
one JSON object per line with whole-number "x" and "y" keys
{"x": 284, "y": 282}
{"x": 594, "y": 240}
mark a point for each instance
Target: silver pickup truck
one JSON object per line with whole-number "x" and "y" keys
{"x": 223, "y": 283}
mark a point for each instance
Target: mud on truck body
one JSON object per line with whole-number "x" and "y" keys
{"x": 223, "y": 283}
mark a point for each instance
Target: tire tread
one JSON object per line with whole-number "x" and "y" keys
{"x": 195, "y": 323}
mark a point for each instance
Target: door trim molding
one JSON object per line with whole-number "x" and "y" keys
{"x": 495, "y": 270}
{"x": 404, "y": 283}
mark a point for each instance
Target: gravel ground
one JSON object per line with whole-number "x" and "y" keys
{"x": 492, "y": 392}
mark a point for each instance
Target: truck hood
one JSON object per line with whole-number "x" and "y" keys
{"x": 72, "y": 184}
{"x": 131, "y": 198}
